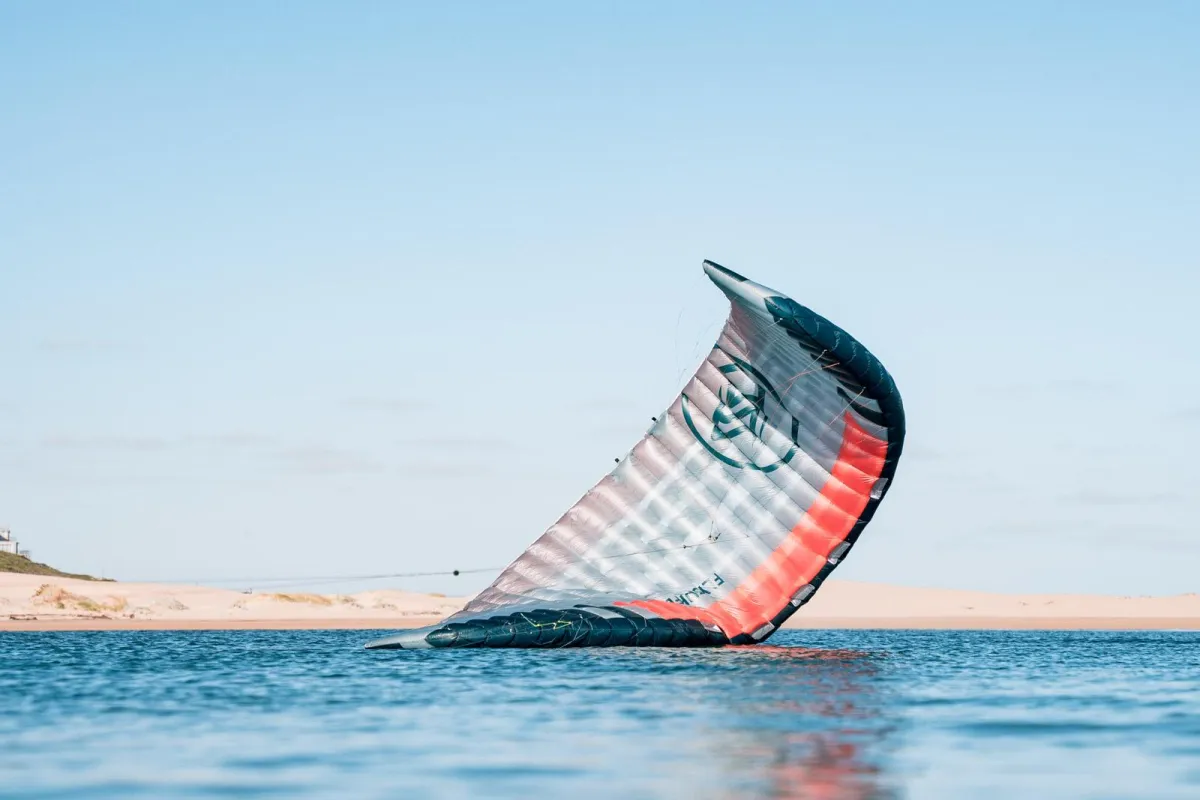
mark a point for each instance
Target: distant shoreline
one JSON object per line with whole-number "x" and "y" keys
{"x": 99, "y": 624}
{"x": 52, "y": 603}
{"x": 799, "y": 622}
{"x": 996, "y": 623}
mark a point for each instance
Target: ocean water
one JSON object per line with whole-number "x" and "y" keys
{"x": 814, "y": 714}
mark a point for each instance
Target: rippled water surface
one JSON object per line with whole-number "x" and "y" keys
{"x": 829, "y": 714}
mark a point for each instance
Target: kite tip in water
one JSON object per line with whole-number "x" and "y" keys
{"x": 405, "y": 640}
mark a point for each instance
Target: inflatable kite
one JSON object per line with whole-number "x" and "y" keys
{"x": 727, "y": 516}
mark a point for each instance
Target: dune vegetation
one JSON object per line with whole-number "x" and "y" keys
{"x": 14, "y": 563}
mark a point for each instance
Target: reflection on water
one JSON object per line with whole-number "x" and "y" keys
{"x": 833, "y": 714}
{"x": 813, "y": 724}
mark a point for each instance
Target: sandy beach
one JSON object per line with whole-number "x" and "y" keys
{"x": 32, "y": 602}
{"x": 851, "y": 604}
{"x": 37, "y": 602}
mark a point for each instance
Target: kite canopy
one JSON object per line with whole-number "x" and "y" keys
{"x": 727, "y": 516}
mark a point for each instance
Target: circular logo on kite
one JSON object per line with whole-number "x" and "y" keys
{"x": 746, "y": 405}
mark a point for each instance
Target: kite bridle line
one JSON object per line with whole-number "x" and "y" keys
{"x": 714, "y": 536}
{"x": 717, "y": 538}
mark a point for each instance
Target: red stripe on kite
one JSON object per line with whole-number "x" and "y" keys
{"x": 798, "y": 559}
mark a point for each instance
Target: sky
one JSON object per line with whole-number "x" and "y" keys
{"x": 297, "y": 290}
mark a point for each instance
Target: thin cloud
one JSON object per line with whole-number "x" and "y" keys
{"x": 922, "y": 452}
{"x": 1189, "y": 413}
{"x": 232, "y": 440}
{"x": 1037, "y": 527}
{"x": 1117, "y": 498}
{"x": 1099, "y": 447}
{"x": 444, "y": 470}
{"x": 1060, "y": 386}
{"x": 71, "y": 346}
{"x": 1159, "y": 535}
{"x": 142, "y": 444}
{"x": 1063, "y": 528}
{"x": 1150, "y": 537}
{"x": 607, "y": 404}
{"x": 323, "y": 460}
{"x": 387, "y": 405}
{"x": 619, "y": 437}
{"x": 235, "y": 440}
{"x": 963, "y": 475}
{"x": 487, "y": 443}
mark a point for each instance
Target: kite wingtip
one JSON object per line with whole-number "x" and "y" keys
{"x": 713, "y": 269}
{"x": 739, "y": 286}
{"x": 405, "y": 640}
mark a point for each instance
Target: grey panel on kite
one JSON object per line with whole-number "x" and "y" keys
{"x": 727, "y": 516}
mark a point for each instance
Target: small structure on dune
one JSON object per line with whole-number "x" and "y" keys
{"x": 9, "y": 544}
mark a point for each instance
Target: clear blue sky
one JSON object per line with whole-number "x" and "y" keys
{"x": 341, "y": 288}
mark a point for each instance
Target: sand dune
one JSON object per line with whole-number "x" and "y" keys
{"x": 32, "y": 602}
{"x": 850, "y": 604}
